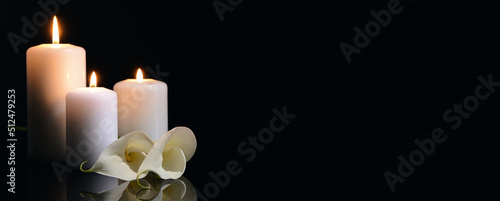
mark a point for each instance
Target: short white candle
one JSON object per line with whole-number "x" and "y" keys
{"x": 51, "y": 71}
{"x": 142, "y": 106}
{"x": 91, "y": 123}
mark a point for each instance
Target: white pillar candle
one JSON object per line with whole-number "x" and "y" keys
{"x": 142, "y": 106}
{"x": 51, "y": 71}
{"x": 91, "y": 123}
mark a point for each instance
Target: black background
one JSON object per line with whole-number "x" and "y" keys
{"x": 353, "y": 120}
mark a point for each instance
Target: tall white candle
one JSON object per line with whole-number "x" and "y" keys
{"x": 142, "y": 106}
{"x": 91, "y": 123}
{"x": 51, "y": 70}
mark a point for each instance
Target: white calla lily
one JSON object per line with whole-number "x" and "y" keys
{"x": 167, "y": 157}
{"x": 184, "y": 138}
{"x": 134, "y": 155}
{"x": 122, "y": 158}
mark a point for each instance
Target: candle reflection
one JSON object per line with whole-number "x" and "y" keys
{"x": 43, "y": 184}
{"x": 79, "y": 186}
{"x": 81, "y": 182}
{"x": 179, "y": 189}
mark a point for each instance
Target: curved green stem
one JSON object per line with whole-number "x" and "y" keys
{"x": 81, "y": 167}
{"x": 83, "y": 194}
{"x": 137, "y": 179}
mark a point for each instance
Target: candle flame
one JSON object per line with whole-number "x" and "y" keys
{"x": 93, "y": 80}
{"x": 55, "y": 32}
{"x": 139, "y": 75}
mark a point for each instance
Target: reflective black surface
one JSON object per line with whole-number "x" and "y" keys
{"x": 232, "y": 82}
{"x": 76, "y": 185}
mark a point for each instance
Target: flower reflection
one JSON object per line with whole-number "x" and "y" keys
{"x": 178, "y": 189}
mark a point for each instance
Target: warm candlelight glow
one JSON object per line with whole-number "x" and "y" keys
{"x": 139, "y": 75}
{"x": 55, "y": 32}
{"x": 93, "y": 80}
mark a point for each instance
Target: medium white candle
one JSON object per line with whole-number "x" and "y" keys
{"x": 91, "y": 122}
{"x": 142, "y": 106}
{"x": 51, "y": 71}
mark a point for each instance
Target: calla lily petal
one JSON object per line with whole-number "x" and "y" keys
{"x": 123, "y": 158}
{"x": 183, "y": 138}
{"x": 174, "y": 191}
{"x": 168, "y": 162}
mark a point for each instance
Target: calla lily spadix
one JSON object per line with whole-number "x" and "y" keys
{"x": 134, "y": 155}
